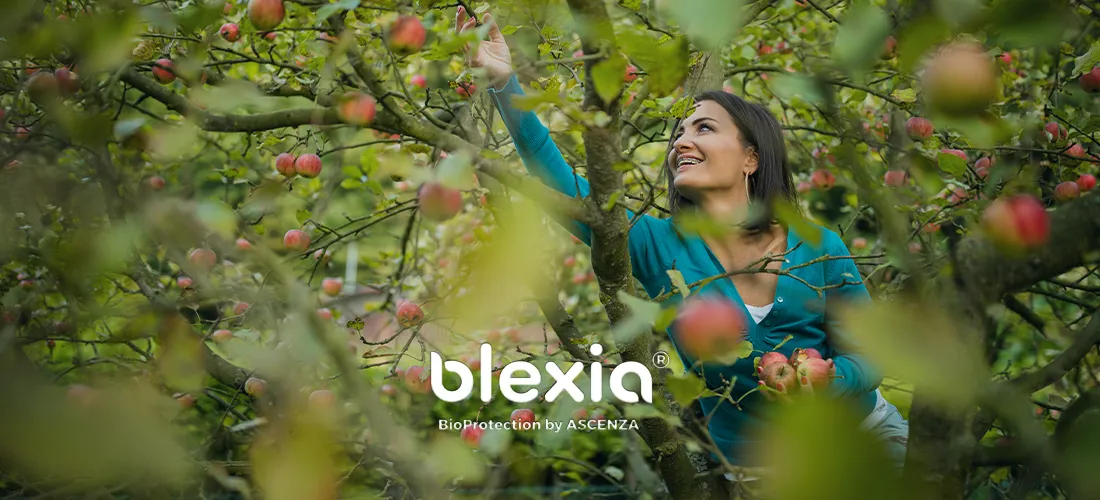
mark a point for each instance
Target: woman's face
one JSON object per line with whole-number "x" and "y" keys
{"x": 708, "y": 155}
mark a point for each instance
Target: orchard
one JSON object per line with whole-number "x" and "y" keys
{"x": 233, "y": 232}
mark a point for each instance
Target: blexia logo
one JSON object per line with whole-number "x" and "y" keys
{"x": 522, "y": 373}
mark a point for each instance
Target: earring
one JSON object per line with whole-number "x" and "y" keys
{"x": 748, "y": 197}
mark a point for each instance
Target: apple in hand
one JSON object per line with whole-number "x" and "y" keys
{"x": 780, "y": 376}
{"x": 800, "y": 355}
{"x": 769, "y": 358}
{"x": 817, "y": 371}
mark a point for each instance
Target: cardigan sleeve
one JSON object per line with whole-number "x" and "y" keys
{"x": 856, "y": 374}
{"x": 544, "y": 160}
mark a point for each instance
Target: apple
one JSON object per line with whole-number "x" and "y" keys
{"x": 184, "y": 282}
{"x": 466, "y": 90}
{"x": 323, "y": 255}
{"x": 1090, "y": 80}
{"x": 1005, "y": 57}
{"x": 1055, "y": 132}
{"x": 859, "y": 243}
{"x": 255, "y": 386}
{"x": 1066, "y": 191}
{"x": 227, "y": 8}
{"x": 522, "y": 417}
{"x": 919, "y": 128}
{"x": 780, "y": 377}
{"x": 1019, "y": 221}
{"x": 439, "y": 202}
{"x": 270, "y": 36}
{"x": 416, "y": 377}
{"x": 419, "y": 81}
{"x": 631, "y": 73}
{"x": 22, "y": 133}
{"x": 709, "y": 328}
{"x": 296, "y": 240}
{"x": 203, "y": 257}
{"x": 889, "y": 48}
{"x": 895, "y": 178}
{"x": 580, "y": 414}
{"x": 957, "y": 152}
{"x": 804, "y": 187}
{"x": 472, "y": 434}
{"x": 409, "y": 314}
{"x": 66, "y": 81}
{"x": 230, "y": 32}
{"x": 1086, "y": 182}
{"x": 308, "y": 165}
{"x": 960, "y": 80}
{"x": 817, "y": 370}
{"x": 356, "y": 109}
{"x": 265, "y": 15}
{"x": 156, "y": 183}
{"x": 163, "y": 71}
{"x": 243, "y": 245}
{"x": 1077, "y": 151}
{"x": 322, "y": 399}
{"x": 221, "y": 335}
{"x": 284, "y": 164}
{"x": 764, "y": 50}
{"x": 580, "y": 278}
{"x": 389, "y": 390}
{"x": 569, "y": 261}
{"x": 240, "y": 308}
{"x": 406, "y": 35}
{"x": 332, "y": 286}
{"x": 185, "y": 400}
{"x": 325, "y": 314}
{"x": 42, "y": 87}
{"x": 799, "y": 355}
{"x": 983, "y": 165}
{"x": 771, "y": 357}
{"x": 822, "y": 179}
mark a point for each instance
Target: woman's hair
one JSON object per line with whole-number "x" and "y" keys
{"x": 760, "y": 131}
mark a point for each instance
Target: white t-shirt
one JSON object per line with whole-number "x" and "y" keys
{"x": 758, "y": 313}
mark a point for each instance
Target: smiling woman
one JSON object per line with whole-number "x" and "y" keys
{"x": 729, "y": 163}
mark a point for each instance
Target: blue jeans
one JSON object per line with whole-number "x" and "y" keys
{"x": 887, "y": 424}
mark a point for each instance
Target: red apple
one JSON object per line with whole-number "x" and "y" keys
{"x": 325, "y": 314}
{"x": 221, "y": 335}
{"x": 631, "y": 73}
{"x": 569, "y": 261}
{"x": 270, "y": 36}
{"x": 960, "y": 80}
{"x": 895, "y": 178}
{"x": 230, "y": 32}
{"x": 284, "y": 164}
{"x": 1077, "y": 151}
{"x": 1066, "y": 191}
{"x": 957, "y": 152}
{"x": 771, "y": 357}
{"x": 157, "y": 183}
{"x": 780, "y": 377}
{"x": 983, "y": 163}
{"x": 203, "y": 257}
{"x": 419, "y": 81}
{"x": 439, "y": 202}
{"x": 822, "y": 179}
{"x": 709, "y": 328}
{"x": 243, "y": 245}
{"x": 1086, "y": 182}
{"x": 472, "y": 434}
{"x": 466, "y": 90}
{"x": 332, "y": 286}
{"x": 1090, "y": 80}
{"x": 184, "y": 282}
{"x": 240, "y": 308}
{"x": 1055, "y": 132}
{"x": 406, "y": 35}
{"x": 889, "y": 48}
{"x": 919, "y": 128}
{"x": 266, "y": 14}
{"x": 1005, "y": 57}
{"x": 296, "y": 240}
{"x": 255, "y": 386}
{"x": 859, "y": 243}
{"x": 163, "y": 71}
{"x": 321, "y": 400}
{"x": 323, "y": 255}
{"x": 356, "y": 108}
{"x": 66, "y": 81}
{"x": 521, "y": 417}
{"x": 42, "y": 87}
{"x": 817, "y": 370}
{"x": 799, "y": 355}
{"x": 185, "y": 400}
{"x": 388, "y": 390}
{"x": 1019, "y": 221}
{"x": 416, "y": 377}
{"x": 409, "y": 314}
{"x": 308, "y": 165}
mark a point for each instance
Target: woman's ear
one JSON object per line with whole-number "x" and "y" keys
{"x": 752, "y": 163}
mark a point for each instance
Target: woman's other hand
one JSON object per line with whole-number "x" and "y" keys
{"x": 492, "y": 54}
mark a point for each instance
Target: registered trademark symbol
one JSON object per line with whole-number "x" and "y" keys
{"x": 660, "y": 359}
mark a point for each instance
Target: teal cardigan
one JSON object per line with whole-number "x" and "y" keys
{"x": 656, "y": 245}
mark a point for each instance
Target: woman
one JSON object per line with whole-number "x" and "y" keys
{"x": 727, "y": 155}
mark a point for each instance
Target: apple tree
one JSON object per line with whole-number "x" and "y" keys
{"x": 234, "y": 231}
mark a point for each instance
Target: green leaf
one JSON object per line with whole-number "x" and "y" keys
{"x": 711, "y": 23}
{"x": 643, "y": 314}
{"x": 790, "y": 86}
{"x": 613, "y": 199}
{"x": 531, "y": 99}
{"x": 684, "y": 388}
{"x": 951, "y": 164}
{"x": 351, "y": 183}
{"x": 1087, "y": 61}
{"x": 303, "y": 215}
{"x": 743, "y": 350}
{"x": 332, "y": 8}
{"x": 904, "y": 95}
{"x": 683, "y": 107}
{"x": 640, "y": 411}
{"x": 916, "y": 38}
{"x": 666, "y": 64}
{"x": 678, "y": 281}
{"x": 665, "y": 319}
{"x": 455, "y": 171}
{"x": 634, "y": 5}
{"x": 609, "y": 75}
{"x": 804, "y": 229}
{"x": 860, "y": 39}
{"x": 508, "y": 30}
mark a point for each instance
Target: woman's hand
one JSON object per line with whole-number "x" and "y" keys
{"x": 493, "y": 55}
{"x": 805, "y": 387}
